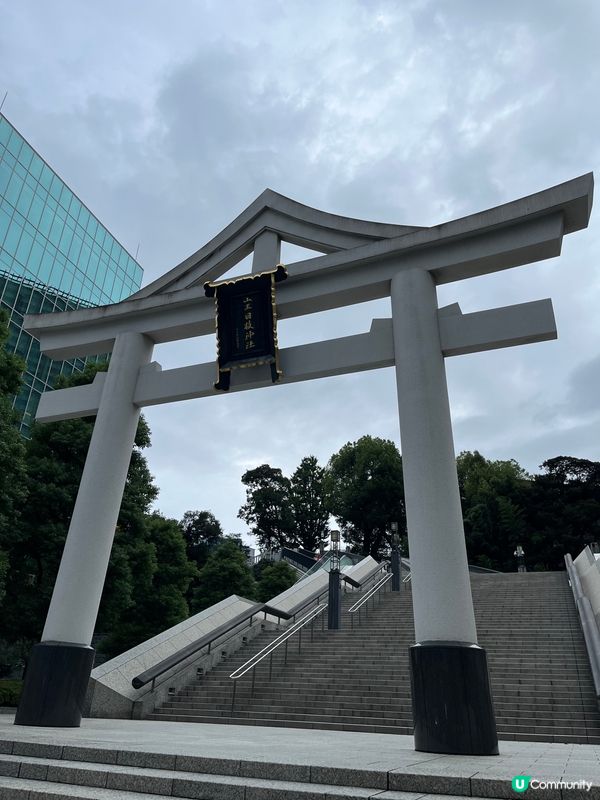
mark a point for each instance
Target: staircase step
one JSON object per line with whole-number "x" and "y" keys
{"x": 358, "y": 678}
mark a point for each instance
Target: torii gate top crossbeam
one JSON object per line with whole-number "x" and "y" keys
{"x": 523, "y": 231}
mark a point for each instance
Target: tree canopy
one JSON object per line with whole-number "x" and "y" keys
{"x": 548, "y": 514}
{"x": 148, "y": 567}
{"x": 494, "y": 500}
{"x": 274, "y": 579}
{"x": 13, "y": 475}
{"x": 563, "y": 513}
{"x": 365, "y": 493}
{"x": 309, "y": 504}
{"x": 267, "y": 509}
{"x": 226, "y": 572}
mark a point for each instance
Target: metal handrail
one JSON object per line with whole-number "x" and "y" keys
{"x": 380, "y": 585}
{"x": 370, "y": 593}
{"x": 270, "y": 649}
{"x": 315, "y": 597}
{"x": 194, "y": 648}
{"x": 407, "y": 578}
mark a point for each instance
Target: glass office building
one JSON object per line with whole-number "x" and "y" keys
{"x": 55, "y": 255}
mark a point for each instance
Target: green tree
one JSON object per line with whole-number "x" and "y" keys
{"x": 226, "y": 572}
{"x": 274, "y": 579}
{"x": 201, "y": 531}
{"x": 563, "y": 513}
{"x": 13, "y": 475}
{"x": 268, "y": 508}
{"x": 308, "y": 504}
{"x": 158, "y": 601}
{"x": 56, "y": 454}
{"x": 494, "y": 498}
{"x": 366, "y": 493}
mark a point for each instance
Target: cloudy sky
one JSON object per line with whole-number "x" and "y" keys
{"x": 169, "y": 119}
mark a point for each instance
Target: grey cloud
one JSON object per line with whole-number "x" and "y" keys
{"x": 169, "y": 125}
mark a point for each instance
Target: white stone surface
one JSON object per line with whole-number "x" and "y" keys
{"x": 588, "y": 569}
{"x": 174, "y": 307}
{"x": 442, "y": 602}
{"x": 361, "y": 570}
{"x": 301, "y": 591}
{"x": 111, "y": 687}
{"x": 78, "y": 588}
{"x": 459, "y": 333}
{"x": 372, "y": 751}
{"x": 319, "y": 580}
{"x": 267, "y": 251}
{"x": 524, "y": 323}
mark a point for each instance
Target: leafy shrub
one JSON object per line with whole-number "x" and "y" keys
{"x": 10, "y": 692}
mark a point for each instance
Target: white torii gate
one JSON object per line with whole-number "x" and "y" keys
{"x": 362, "y": 261}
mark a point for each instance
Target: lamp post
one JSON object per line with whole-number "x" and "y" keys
{"x": 395, "y": 559}
{"x": 334, "y": 621}
{"x": 520, "y": 554}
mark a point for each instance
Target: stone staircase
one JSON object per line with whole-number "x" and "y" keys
{"x": 358, "y": 679}
{"x": 31, "y": 770}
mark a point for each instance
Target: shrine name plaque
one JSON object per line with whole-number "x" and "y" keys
{"x": 246, "y": 319}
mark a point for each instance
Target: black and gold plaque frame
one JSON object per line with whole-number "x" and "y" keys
{"x": 246, "y": 317}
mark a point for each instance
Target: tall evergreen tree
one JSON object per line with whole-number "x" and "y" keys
{"x": 274, "y": 579}
{"x": 226, "y": 572}
{"x": 267, "y": 509}
{"x": 494, "y": 497}
{"x": 563, "y": 514}
{"x": 157, "y": 599}
{"x": 366, "y": 493}
{"x": 139, "y": 561}
{"x": 308, "y": 504}
{"x": 202, "y": 531}
{"x": 13, "y": 474}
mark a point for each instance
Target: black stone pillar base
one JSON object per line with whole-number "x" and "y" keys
{"x": 55, "y": 685}
{"x": 334, "y": 609}
{"x": 452, "y": 699}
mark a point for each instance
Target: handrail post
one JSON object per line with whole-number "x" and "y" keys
{"x": 299, "y": 639}
{"x": 253, "y": 680}
{"x": 233, "y": 696}
{"x": 271, "y": 667}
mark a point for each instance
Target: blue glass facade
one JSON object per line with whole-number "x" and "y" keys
{"x": 55, "y": 255}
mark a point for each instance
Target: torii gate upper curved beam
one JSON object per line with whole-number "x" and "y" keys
{"x": 516, "y": 233}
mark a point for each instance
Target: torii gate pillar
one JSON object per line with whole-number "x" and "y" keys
{"x": 59, "y": 667}
{"x": 449, "y": 676}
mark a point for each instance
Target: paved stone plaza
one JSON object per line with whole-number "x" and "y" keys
{"x": 387, "y": 763}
